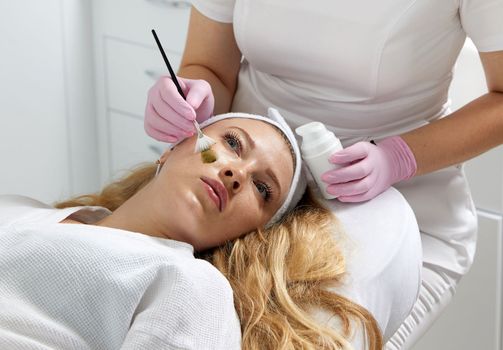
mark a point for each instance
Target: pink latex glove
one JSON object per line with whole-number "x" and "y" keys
{"x": 369, "y": 169}
{"x": 168, "y": 117}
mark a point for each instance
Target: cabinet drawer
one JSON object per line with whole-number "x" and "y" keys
{"x": 130, "y": 72}
{"x": 485, "y": 175}
{"x": 129, "y": 144}
{"x": 134, "y": 19}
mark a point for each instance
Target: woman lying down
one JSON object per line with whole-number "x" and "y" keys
{"x": 116, "y": 270}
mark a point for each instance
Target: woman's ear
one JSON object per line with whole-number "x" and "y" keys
{"x": 165, "y": 155}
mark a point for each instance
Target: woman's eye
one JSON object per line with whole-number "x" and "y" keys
{"x": 233, "y": 140}
{"x": 265, "y": 190}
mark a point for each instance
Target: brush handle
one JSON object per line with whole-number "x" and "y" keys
{"x": 199, "y": 132}
{"x": 175, "y": 80}
{"x": 171, "y": 73}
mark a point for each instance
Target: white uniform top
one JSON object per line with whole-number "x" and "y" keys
{"x": 366, "y": 69}
{"x": 71, "y": 286}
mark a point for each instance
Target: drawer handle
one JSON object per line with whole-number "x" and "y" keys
{"x": 152, "y": 74}
{"x": 172, "y": 3}
{"x": 156, "y": 149}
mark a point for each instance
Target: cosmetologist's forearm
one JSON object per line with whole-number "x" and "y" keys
{"x": 464, "y": 134}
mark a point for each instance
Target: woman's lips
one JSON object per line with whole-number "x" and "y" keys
{"x": 216, "y": 191}
{"x": 212, "y": 194}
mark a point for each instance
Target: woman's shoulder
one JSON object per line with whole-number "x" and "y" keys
{"x": 202, "y": 277}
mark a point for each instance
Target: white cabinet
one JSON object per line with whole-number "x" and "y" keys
{"x": 132, "y": 20}
{"x": 128, "y": 146}
{"x": 131, "y": 71}
{"x": 128, "y": 63}
{"x": 47, "y": 124}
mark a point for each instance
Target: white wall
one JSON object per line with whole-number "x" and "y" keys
{"x": 47, "y": 126}
{"x": 80, "y": 95}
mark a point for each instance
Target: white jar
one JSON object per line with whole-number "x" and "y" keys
{"x": 318, "y": 144}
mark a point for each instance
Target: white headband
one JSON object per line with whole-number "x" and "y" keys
{"x": 299, "y": 183}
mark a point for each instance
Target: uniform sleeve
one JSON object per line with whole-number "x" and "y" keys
{"x": 482, "y": 21}
{"x": 217, "y": 10}
{"x": 181, "y": 311}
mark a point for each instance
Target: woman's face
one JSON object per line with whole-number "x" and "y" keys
{"x": 253, "y": 174}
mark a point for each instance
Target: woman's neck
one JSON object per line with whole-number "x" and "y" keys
{"x": 137, "y": 215}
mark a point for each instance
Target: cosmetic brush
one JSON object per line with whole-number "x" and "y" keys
{"x": 204, "y": 142}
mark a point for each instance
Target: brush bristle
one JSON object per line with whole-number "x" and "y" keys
{"x": 204, "y": 143}
{"x": 208, "y": 156}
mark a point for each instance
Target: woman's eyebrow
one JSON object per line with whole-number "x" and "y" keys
{"x": 251, "y": 143}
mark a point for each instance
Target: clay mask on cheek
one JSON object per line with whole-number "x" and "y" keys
{"x": 208, "y": 156}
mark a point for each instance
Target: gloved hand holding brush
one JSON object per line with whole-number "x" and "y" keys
{"x": 168, "y": 117}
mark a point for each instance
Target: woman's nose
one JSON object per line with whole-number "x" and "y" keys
{"x": 233, "y": 179}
